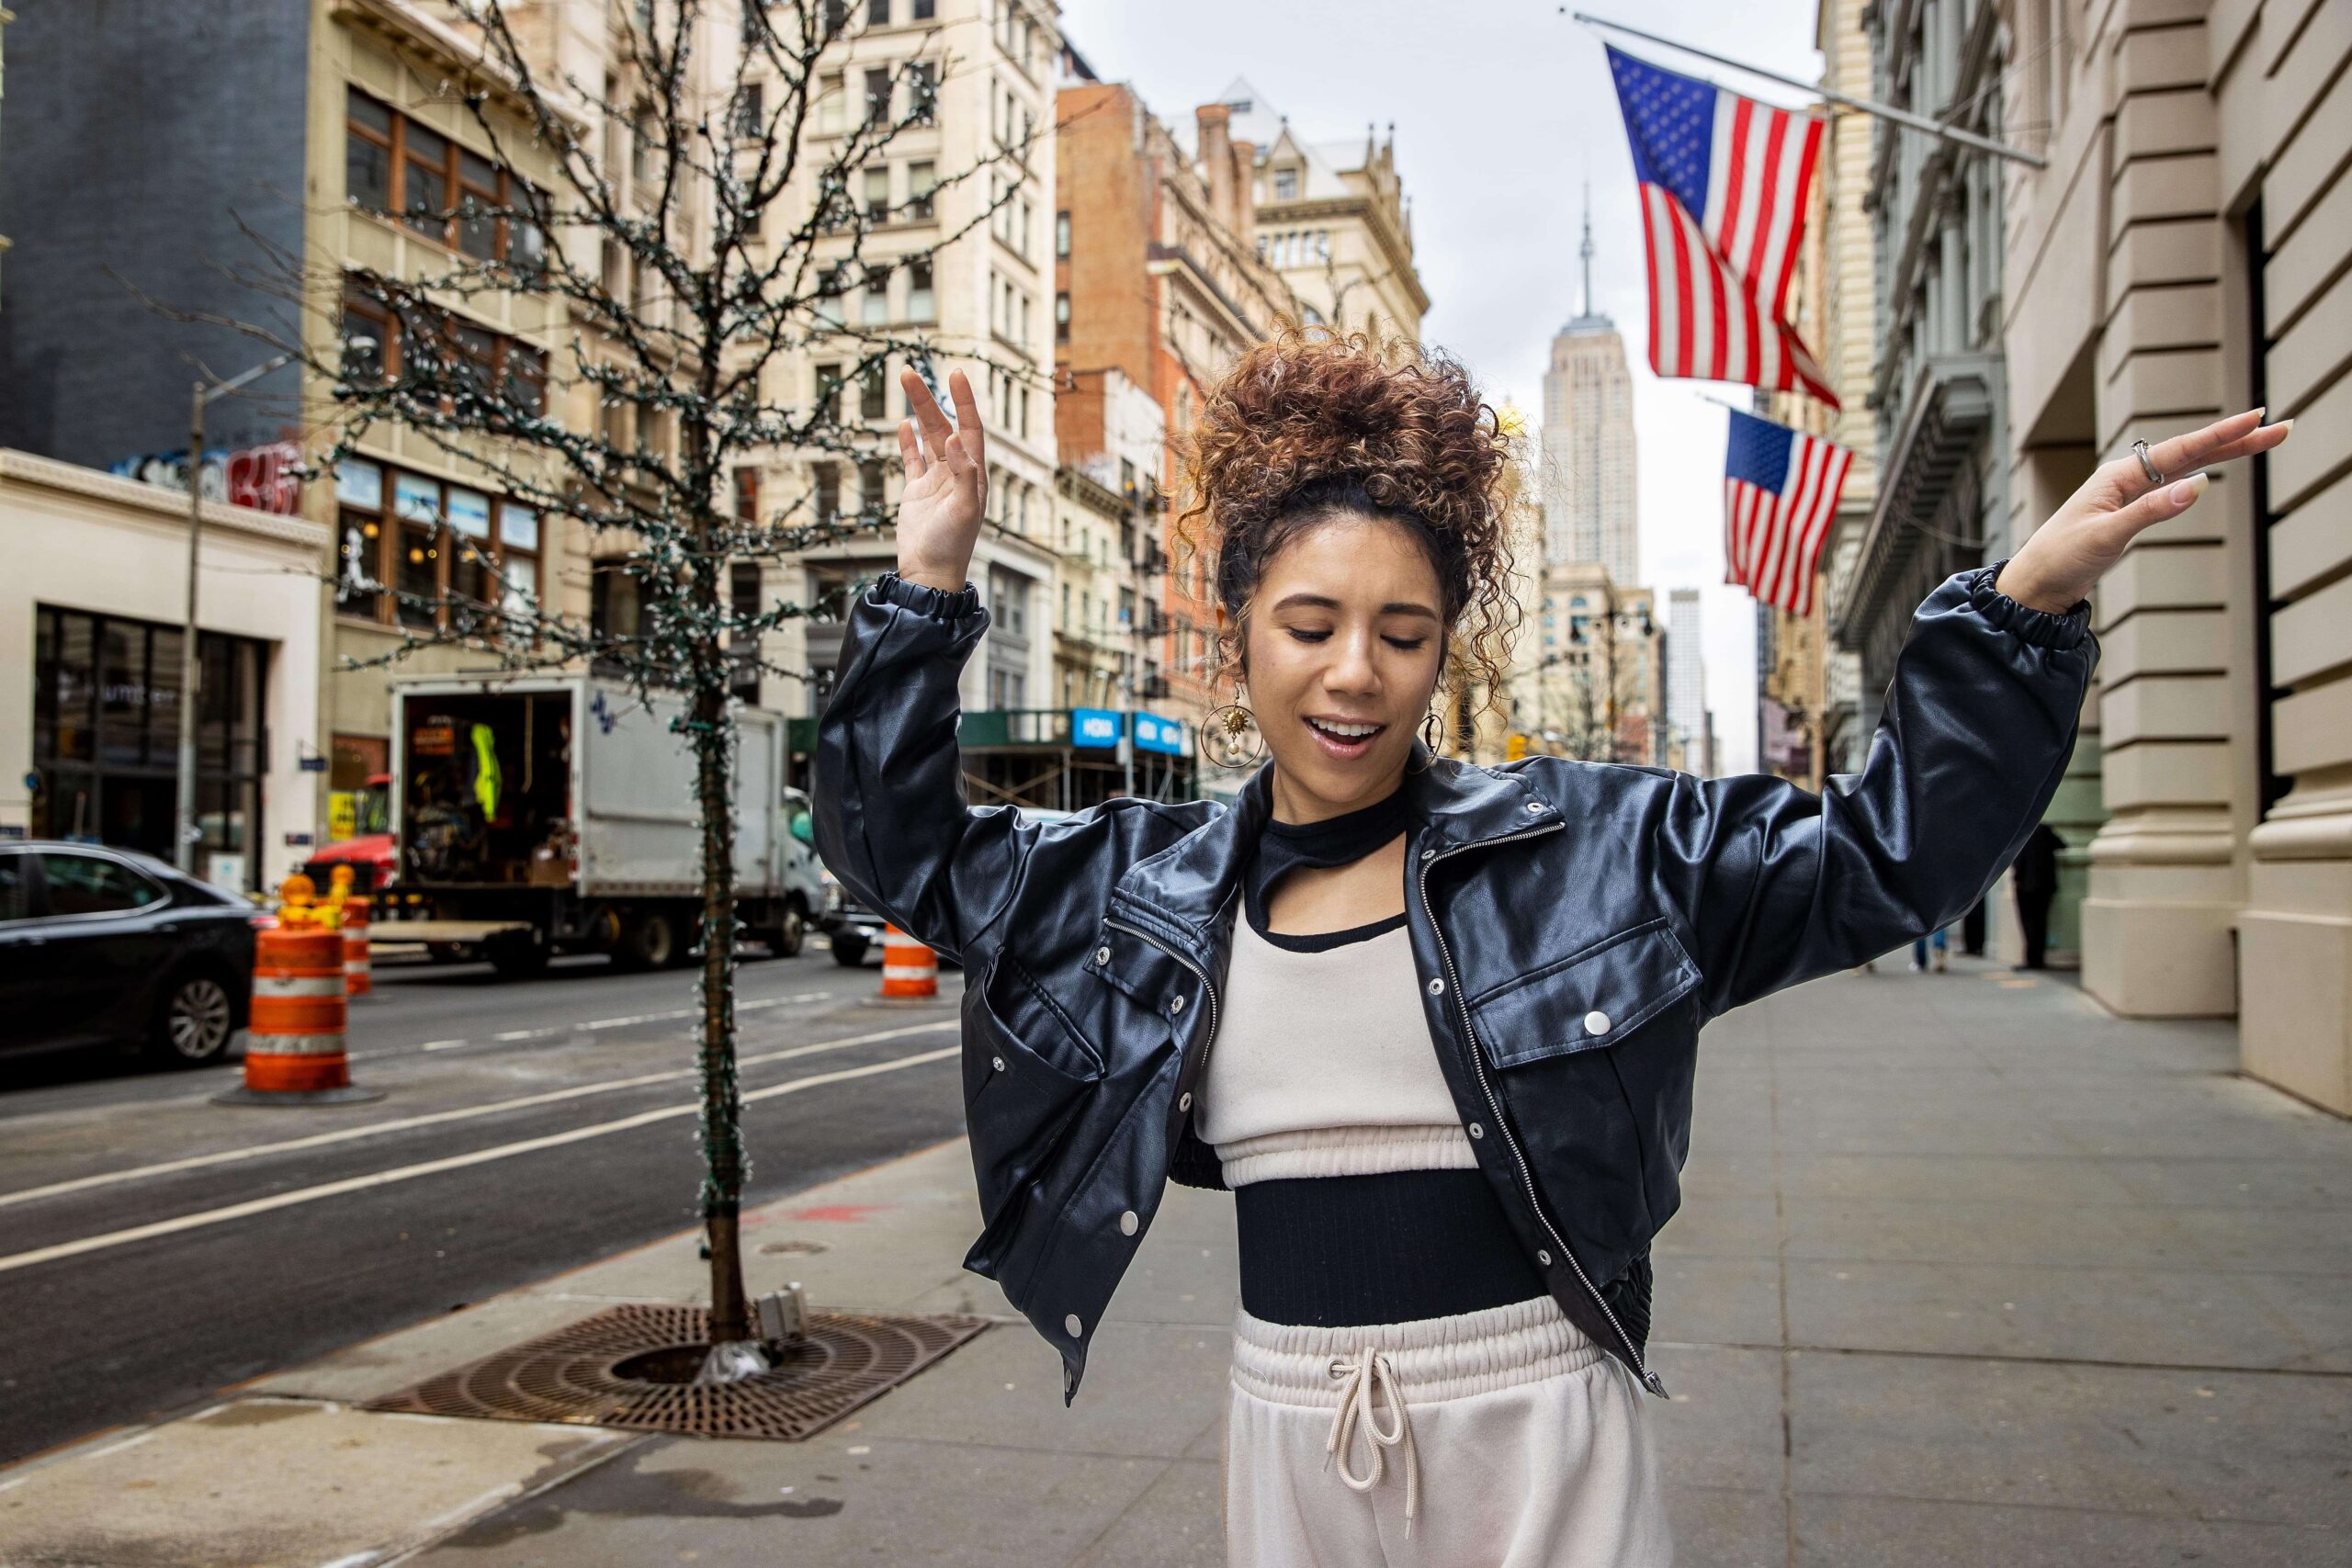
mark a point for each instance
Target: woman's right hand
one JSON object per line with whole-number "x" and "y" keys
{"x": 947, "y": 485}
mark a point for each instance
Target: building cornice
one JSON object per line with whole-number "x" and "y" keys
{"x": 31, "y": 472}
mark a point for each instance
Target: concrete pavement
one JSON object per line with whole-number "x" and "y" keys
{"x": 1967, "y": 1272}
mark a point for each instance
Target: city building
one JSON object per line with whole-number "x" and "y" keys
{"x": 2181, "y": 256}
{"x": 1689, "y": 729}
{"x": 1842, "y": 330}
{"x": 1333, "y": 219}
{"x": 957, "y": 219}
{"x": 1590, "y": 495}
{"x": 1158, "y": 276}
{"x": 91, "y": 708}
{"x": 298, "y": 128}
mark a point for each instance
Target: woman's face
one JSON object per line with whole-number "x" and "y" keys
{"x": 1344, "y": 646}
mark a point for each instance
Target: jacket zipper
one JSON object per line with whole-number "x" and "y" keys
{"x": 1650, "y": 1378}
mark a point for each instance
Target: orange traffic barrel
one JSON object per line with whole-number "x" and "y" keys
{"x": 294, "y": 1047}
{"x": 909, "y": 968}
{"x": 357, "y": 979}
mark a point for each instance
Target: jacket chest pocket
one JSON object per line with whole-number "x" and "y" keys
{"x": 1594, "y": 997}
{"x": 1024, "y": 1082}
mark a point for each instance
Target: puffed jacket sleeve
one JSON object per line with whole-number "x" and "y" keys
{"x": 1779, "y": 884}
{"x": 891, "y": 815}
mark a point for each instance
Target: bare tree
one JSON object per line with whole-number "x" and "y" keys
{"x": 684, "y": 282}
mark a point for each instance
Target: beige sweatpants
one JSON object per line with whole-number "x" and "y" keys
{"x": 1502, "y": 1438}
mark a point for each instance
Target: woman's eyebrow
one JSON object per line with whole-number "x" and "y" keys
{"x": 1325, "y": 601}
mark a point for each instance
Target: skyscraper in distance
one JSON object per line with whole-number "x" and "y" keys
{"x": 1588, "y": 479}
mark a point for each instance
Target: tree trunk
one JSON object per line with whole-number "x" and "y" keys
{"x": 722, "y": 1104}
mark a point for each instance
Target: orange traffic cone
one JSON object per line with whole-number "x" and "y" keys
{"x": 295, "y": 1052}
{"x": 358, "y": 980}
{"x": 909, "y": 968}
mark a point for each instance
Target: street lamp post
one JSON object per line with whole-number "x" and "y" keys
{"x": 184, "y": 817}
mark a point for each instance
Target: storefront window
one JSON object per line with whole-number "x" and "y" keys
{"x": 448, "y": 546}
{"x": 107, "y": 716}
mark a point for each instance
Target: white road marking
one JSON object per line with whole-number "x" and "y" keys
{"x": 436, "y": 1167}
{"x": 551, "y": 1031}
{"x": 436, "y": 1117}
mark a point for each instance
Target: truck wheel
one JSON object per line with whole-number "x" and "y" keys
{"x": 849, "y": 951}
{"x": 786, "y": 938}
{"x": 517, "y": 955}
{"x": 649, "y": 940}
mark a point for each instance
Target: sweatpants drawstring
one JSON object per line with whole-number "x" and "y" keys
{"x": 1369, "y": 1373}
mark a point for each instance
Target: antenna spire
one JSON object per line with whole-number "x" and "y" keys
{"x": 1585, "y": 250}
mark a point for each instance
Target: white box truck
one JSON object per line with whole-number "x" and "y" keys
{"x": 541, "y": 813}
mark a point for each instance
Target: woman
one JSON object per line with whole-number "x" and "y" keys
{"x": 1434, "y": 1023}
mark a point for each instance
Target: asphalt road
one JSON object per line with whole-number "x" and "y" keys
{"x": 155, "y": 1246}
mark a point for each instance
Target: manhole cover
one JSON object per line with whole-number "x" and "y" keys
{"x": 572, "y": 1374}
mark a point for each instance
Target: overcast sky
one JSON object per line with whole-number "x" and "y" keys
{"x": 1503, "y": 108}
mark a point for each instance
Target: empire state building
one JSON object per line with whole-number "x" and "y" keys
{"x": 1588, "y": 496}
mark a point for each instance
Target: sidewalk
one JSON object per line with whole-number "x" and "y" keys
{"x": 1967, "y": 1272}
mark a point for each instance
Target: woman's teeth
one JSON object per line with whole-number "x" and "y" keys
{"x": 1344, "y": 734}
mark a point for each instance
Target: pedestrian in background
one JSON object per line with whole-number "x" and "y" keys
{"x": 2035, "y": 875}
{"x": 1972, "y": 930}
{"x": 1939, "y": 942}
{"x": 1452, "y": 1104}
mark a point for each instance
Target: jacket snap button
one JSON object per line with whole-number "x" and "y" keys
{"x": 1428, "y": 854}
{"x": 1543, "y": 1257}
{"x": 1128, "y": 1224}
{"x": 997, "y": 1062}
{"x": 1102, "y": 955}
{"x": 1534, "y": 806}
{"x": 1184, "y": 1100}
{"x": 1075, "y": 1327}
{"x": 1175, "y": 1004}
{"x": 1437, "y": 986}
{"x": 1595, "y": 1022}
{"x": 1476, "y": 1131}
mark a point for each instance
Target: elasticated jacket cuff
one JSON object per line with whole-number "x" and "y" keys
{"x": 924, "y": 600}
{"x": 2040, "y": 627}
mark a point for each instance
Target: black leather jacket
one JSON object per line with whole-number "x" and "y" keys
{"x": 1573, "y": 925}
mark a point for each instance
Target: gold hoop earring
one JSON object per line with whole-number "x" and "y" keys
{"x": 1230, "y": 737}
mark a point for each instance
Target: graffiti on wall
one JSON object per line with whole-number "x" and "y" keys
{"x": 267, "y": 478}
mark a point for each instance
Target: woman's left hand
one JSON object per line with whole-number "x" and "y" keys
{"x": 2068, "y": 555}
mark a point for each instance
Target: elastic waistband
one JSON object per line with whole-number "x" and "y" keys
{"x": 1433, "y": 1358}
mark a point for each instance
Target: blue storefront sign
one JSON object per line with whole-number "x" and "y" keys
{"x": 1093, "y": 726}
{"x": 1154, "y": 733}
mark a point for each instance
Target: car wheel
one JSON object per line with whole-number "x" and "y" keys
{"x": 790, "y": 934}
{"x": 849, "y": 951}
{"x": 193, "y": 1025}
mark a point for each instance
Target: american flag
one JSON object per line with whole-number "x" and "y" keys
{"x": 1724, "y": 181}
{"x": 1781, "y": 489}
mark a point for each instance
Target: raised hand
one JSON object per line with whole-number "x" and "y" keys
{"x": 2069, "y": 554}
{"x": 947, "y": 484}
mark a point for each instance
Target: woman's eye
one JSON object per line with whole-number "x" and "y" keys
{"x": 1408, "y": 644}
{"x": 1307, "y": 636}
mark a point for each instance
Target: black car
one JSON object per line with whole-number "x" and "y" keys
{"x": 101, "y": 946}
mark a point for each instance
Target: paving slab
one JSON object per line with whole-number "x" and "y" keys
{"x": 1871, "y": 1533}
{"x": 268, "y": 1483}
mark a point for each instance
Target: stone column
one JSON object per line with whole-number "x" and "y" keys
{"x": 2165, "y": 886}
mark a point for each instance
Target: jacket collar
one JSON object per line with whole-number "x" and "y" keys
{"x": 1191, "y": 882}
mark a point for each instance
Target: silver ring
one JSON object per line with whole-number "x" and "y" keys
{"x": 2147, "y": 463}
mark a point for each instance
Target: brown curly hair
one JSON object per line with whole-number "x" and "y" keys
{"x": 1311, "y": 424}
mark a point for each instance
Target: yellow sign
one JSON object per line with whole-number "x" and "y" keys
{"x": 343, "y": 814}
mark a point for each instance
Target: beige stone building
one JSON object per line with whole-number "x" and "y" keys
{"x": 2181, "y": 256}
{"x": 1333, "y": 219}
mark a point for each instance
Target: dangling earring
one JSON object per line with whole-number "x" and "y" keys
{"x": 1230, "y": 737}
{"x": 1431, "y": 718}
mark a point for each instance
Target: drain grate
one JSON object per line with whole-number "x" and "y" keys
{"x": 572, "y": 1376}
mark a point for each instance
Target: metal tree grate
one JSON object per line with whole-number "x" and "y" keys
{"x": 845, "y": 1360}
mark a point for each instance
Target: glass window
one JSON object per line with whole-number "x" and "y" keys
{"x": 518, "y": 526}
{"x": 919, "y": 304}
{"x": 1285, "y": 185}
{"x": 16, "y": 895}
{"x": 478, "y": 203}
{"x": 89, "y": 884}
{"x": 368, "y": 152}
{"x": 877, "y": 96}
{"x": 873, "y": 394}
{"x": 425, "y": 181}
{"x": 1061, "y": 233}
{"x": 877, "y": 196}
{"x": 922, "y": 179}
{"x": 358, "y": 482}
{"x": 527, "y": 379}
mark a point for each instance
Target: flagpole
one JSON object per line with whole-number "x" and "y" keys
{"x": 1884, "y": 111}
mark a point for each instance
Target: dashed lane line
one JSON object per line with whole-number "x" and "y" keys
{"x": 453, "y": 1162}
{"x": 440, "y": 1118}
{"x": 549, "y": 1031}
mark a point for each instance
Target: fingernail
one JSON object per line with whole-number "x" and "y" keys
{"x": 2189, "y": 490}
{"x": 2260, "y": 412}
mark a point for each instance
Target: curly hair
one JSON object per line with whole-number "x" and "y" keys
{"x": 1312, "y": 424}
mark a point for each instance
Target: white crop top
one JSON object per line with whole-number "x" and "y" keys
{"x": 1324, "y": 1066}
